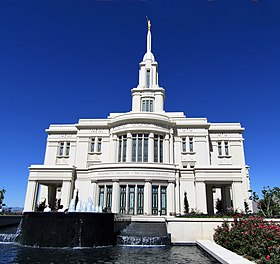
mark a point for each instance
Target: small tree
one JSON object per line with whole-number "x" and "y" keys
{"x": 219, "y": 206}
{"x": 186, "y": 203}
{"x": 2, "y": 192}
{"x": 269, "y": 205}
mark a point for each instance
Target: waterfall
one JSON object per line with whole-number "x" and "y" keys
{"x": 10, "y": 235}
{"x": 144, "y": 234}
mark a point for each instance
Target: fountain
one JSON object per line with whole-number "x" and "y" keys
{"x": 82, "y": 226}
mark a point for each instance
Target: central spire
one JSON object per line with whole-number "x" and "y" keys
{"x": 148, "y": 96}
{"x": 149, "y": 55}
{"x": 149, "y": 37}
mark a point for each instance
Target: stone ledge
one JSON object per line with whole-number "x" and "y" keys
{"x": 221, "y": 254}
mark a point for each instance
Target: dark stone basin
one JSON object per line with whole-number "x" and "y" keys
{"x": 67, "y": 229}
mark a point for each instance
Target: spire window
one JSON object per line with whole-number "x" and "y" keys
{"x": 147, "y": 105}
{"x": 148, "y": 76}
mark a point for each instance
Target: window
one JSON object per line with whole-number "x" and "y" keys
{"x": 92, "y": 143}
{"x": 67, "y": 150}
{"x": 147, "y": 105}
{"x": 163, "y": 200}
{"x": 220, "y": 148}
{"x": 140, "y": 199}
{"x": 184, "y": 148}
{"x": 131, "y": 199}
{"x": 95, "y": 145}
{"x": 122, "y": 148}
{"x": 148, "y": 76}
{"x": 154, "y": 200}
{"x": 64, "y": 149}
{"x": 99, "y": 144}
{"x": 226, "y": 149}
{"x": 223, "y": 145}
{"x": 134, "y": 143}
{"x": 109, "y": 197}
{"x": 158, "y": 148}
{"x": 191, "y": 144}
{"x": 122, "y": 199}
{"x": 61, "y": 147}
{"x": 140, "y": 147}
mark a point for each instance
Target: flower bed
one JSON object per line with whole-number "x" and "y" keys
{"x": 251, "y": 237}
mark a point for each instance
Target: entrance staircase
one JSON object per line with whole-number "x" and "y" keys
{"x": 145, "y": 234}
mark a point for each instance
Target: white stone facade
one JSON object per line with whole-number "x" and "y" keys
{"x": 143, "y": 161}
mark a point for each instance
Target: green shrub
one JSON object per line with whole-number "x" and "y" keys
{"x": 251, "y": 237}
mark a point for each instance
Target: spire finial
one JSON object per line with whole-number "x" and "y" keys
{"x": 149, "y": 54}
{"x": 149, "y": 23}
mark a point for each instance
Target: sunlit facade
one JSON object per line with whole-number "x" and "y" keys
{"x": 142, "y": 162}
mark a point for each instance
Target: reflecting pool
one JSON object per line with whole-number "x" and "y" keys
{"x": 13, "y": 253}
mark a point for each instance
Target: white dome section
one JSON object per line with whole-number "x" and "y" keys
{"x": 149, "y": 56}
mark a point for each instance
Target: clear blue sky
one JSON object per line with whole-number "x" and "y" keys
{"x": 218, "y": 59}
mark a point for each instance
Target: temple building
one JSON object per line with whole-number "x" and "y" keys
{"x": 145, "y": 161}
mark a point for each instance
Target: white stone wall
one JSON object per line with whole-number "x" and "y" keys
{"x": 75, "y": 167}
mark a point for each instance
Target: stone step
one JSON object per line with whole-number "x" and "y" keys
{"x": 149, "y": 229}
{"x": 144, "y": 233}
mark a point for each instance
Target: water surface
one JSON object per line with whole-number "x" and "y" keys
{"x": 13, "y": 253}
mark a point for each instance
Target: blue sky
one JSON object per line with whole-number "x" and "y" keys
{"x": 218, "y": 59}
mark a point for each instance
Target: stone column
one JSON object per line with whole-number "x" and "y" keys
{"x": 166, "y": 149}
{"x": 210, "y": 199}
{"x": 238, "y": 200}
{"x": 148, "y": 198}
{"x": 159, "y": 200}
{"x": 151, "y": 148}
{"x": 31, "y": 196}
{"x": 94, "y": 192}
{"x": 66, "y": 193}
{"x": 171, "y": 148}
{"x": 95, "y": 144}
{"x": 116, "y": 197}
{"x": 170, "y": 197}
{"x": 115, "y": 147}
{"x": 200, "y": 191}
{"x": 135, "y": 199}
{"x": 177, "y": 194}
{"x": 129, "y": 147}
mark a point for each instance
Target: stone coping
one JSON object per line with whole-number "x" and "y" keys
{"x": 198, "y": 219}
{"x": 147, "y": 218}
{"x": 221, "y": 254}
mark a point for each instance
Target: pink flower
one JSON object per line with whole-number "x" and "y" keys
{"x": 268, "y": 239}
{"x": 267, "y": 257}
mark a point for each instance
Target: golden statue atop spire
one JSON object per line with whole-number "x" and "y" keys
{"x": 149, "y": 23}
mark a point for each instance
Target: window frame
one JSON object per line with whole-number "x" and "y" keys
{"x": 64, "y": 148}
{"x": 147, "y": 105}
